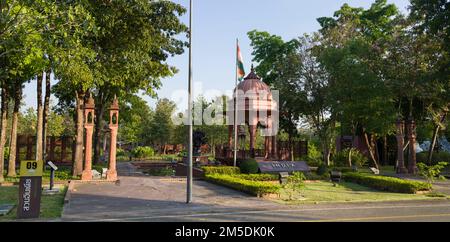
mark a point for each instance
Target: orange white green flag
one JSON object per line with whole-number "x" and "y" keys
{"x": 240, "y": 64}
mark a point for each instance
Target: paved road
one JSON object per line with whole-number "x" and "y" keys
{"x": 159, "y": 199}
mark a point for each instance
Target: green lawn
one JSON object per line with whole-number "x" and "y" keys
{"x": 322, "y": 191}
{"x": 51, "y": 205}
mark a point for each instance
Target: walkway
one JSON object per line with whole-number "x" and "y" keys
{"x": 163, "y": 199}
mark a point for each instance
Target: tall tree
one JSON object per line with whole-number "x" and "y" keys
{"x": 278, "y": 65}
{"x": 13, "y": 138}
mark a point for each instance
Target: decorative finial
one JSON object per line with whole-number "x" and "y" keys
{"x": 252, "y": 69}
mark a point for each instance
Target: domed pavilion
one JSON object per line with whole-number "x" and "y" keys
{"x": 256, "y": 108}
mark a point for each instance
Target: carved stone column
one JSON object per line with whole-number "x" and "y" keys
{"x": 89, "y": 108}
{"x": 111, "y": 174}
{"x": 412, "y": 165}
{"x": 400, "y": 168}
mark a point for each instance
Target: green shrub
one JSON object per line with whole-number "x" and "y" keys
{"x": 341, "y": 158}
{"x": 322, "y": 169}
{"x": 385, "y": 183}
{"x": 121, "y": 152}
{"x": 431, "y": 172}
{"x": 314, "y": 176}
{"x": 294, "y": 184}
{"x": 343, "y": 169}
{"x": 256, "y": 188}
{"x": 143, "y": 152}
{"x": 249, "y": 166}
{"x": 437, "y": 157}
{"x": 314, "y": 157}
{"x": 257, "y": 177}
{"x": 227, "y": 170}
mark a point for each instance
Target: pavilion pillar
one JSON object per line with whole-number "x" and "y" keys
{"x": 111, "y": 174}
{"x": 229, "y": 152}
{"x": 266, "y": 148}
{"x": 412, "y": 165}
{"x": 400, "y": 167}
{"x": 252, "y": 131}
{"x": 274, "y": 147}
{"x": 89, "y": 108}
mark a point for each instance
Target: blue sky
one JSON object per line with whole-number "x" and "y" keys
{"x": 217, "y": 24}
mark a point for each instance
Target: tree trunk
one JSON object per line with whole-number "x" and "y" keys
{"x": 40, "y": 117}
{"x": 433, "y": 141}
{"x": 350, "y": 157}
{"x": 372, "y": 155}
{"x": 46, "y": 113}
{"x": 326, "y": 152}
{"x": 97, "y": 130}
{"x": 4, "y": 124}
{"x": 13, "y": 139}
{"x": 385, "y": 150}
{"x": 374, "y": 144}
{"x": 77, "y": 168}
{"x": 291, "y": 152}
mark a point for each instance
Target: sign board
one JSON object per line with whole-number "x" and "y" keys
{"x": 31, "y": 168}
{"x": 282, "y": 166}
{"x": 30, "y": 186}
{"x": 53, "y": 166}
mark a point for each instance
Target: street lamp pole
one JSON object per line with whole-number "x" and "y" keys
{"x": 189, "y": 166}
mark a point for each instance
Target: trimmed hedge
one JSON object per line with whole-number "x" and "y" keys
{"x": 385, "y": 183}
{"x": 257, "y": 177}
{"x": 257, "y": 188}
{"x": 228, "y": 170}
{"x": 249, "y": 166}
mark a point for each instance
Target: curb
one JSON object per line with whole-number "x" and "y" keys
{"x": 72, "y": 183}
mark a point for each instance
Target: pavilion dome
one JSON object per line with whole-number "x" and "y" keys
{"x": 256, "y": 96}
{"x": 253, "y": 83}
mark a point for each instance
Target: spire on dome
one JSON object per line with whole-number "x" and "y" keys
{"x": 252, "y": 74}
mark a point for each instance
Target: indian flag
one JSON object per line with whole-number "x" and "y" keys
{"x": 240, "y": 64}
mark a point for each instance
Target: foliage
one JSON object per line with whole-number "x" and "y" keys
{"x": 257, "y": 177}
{"x": 341, "y": 158}
{"x": 437, "y": 157}
{"x": 226, "y": 170}
{"x": 58, "y": 124}
{"x": 322, "y": 169}
{"x": 313, "y": 176}
{"x": 135, "y": 116}
{"x": 249, "y": 166}
{"x": 431, "y": 172}
{"x": 166, "y": 171}
{"x": 384, "y": 183}
{"x": 257, "y": 188}
{"x": 121, "y": 152}
{"x": 294, "y": 183}
{"x": 314, "y": 156}
{"x": 143, "y": 152}
{"x": 160, "y": 129}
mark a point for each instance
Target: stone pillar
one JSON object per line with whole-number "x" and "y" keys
{"x": 252, "y": 131}
{"x": 111, "y": 174}
{"x": 400, "y": 168}
{"x": 412, "y": 166}
{"x": 89, "y": 108}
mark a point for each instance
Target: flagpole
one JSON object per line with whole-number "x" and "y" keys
{"x": 235, "y": 104}
{"x": 189, "y": 165}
